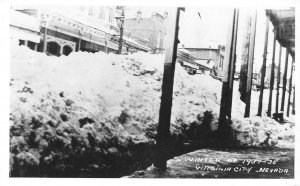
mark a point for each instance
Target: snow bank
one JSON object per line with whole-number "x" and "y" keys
{"x": 263, "y": 131}
{"x": 65, "y": 109}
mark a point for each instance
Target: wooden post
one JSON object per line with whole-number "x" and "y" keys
{"x": 232, "y": 65}
{"x": 284, "y": 79}
{"x": 163, "y": 128}
{"x": 80, "y": 33}
{"x": 272, "y": 77}
{"x": 263, "y": 68}
{"x": 293, "y": 111}
{"x": 290, "y": 90}
{"x": 61, "y": 51}
{"x": 278, "y": 80}
{"x": 35, "y": 47}
{"x": 79, "y": 44}
{"x": 44, "y": 38}
{"x": 228, "y": 74}
{"x": 250, "y": 65}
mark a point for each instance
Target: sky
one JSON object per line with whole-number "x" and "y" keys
{"x": 210, "y": 29}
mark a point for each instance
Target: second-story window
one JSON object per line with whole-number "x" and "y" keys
{"x": 91, "y": 11}
{"x": 102, "y": 13}
{"x": 221, "y": 62}
{"x": 111, "y": 15}
{"x": 158, "y": 40}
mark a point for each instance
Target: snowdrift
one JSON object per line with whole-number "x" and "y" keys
{"x": 87, "y": 110}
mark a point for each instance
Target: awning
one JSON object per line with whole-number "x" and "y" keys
{"x": 17, "y": 33}
{"x": 283, "y": 21}
{"x": 189, "y": 65}
{"x": 112, "y": 45}
{"x": 24, "y": 21}
{"x": 136, "y": 44}
{"x": 204, "y": 63}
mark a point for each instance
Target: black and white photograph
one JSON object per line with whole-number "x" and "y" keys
{"x": 134, "y": 91}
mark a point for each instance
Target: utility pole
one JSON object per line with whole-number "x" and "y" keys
{"x": 250, "y": 65}
{"x": 163, "y": 128}
{"x": 121, "y": 25}
{"x": 272, "y": 77}
{"x": 263, "y": 68}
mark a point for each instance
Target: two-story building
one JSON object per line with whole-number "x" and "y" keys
{"x": 210, "y": 58}
{"x": 140, "y": 23}
{"x": 63, "y": 30}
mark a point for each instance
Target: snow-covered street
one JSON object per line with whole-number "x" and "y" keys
{"x": 97, "y": 111}
{"x": 212, "y": 163}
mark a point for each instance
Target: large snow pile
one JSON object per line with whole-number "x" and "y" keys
{"x": 263, "y": 131}
{"x": 65, "y": 109}
{"x": 70, "y": 106}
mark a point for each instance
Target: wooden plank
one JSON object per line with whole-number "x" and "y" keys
{"x": 278, "y": 80}
{"x": 263, "y": 68}
{"x": 163, "y": 128}
{"x": 284, "y": 80}
{"x": 228, "y": 73}
{"x": 290, "y": 90}
{"x": 250, "y": 65}
{"x": 272, "y": 77}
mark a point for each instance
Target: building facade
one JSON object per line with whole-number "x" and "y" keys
{"x": 64, "y": 30}
{"x": 152, "y": 28}
{"x": 210, "y": 58}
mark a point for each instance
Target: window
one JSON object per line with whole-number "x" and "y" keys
{"x": 138, "y": 16}
{"x": 111, "y": 15}
{"x": 158, "y": 40}
{"x": 221, "y": 61}
{"x": 91, "y": 11}
{"x": 102, "y": 13}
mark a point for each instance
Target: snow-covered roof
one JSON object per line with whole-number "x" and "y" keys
{"x": 132, "y": 41}
{"x": 206, "y": 63}
{"x": 184, "y": 51}
{"x": 25, "y": 21}
{"x": 190, "y": 65}
{"x": 24, "y": 27}
{"x": 204, "y": 44}
{"x": 81, "y": 18}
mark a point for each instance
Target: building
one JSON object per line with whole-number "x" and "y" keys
{"x": 63, "y": 30}
{"x": 25, "y": 29}
{"x": 152, "y": 27}
{"x": 187, "y": 61}
{"x": 210, "y": 59}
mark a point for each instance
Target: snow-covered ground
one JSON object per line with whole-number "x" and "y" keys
{"x": 69, "y": 107}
